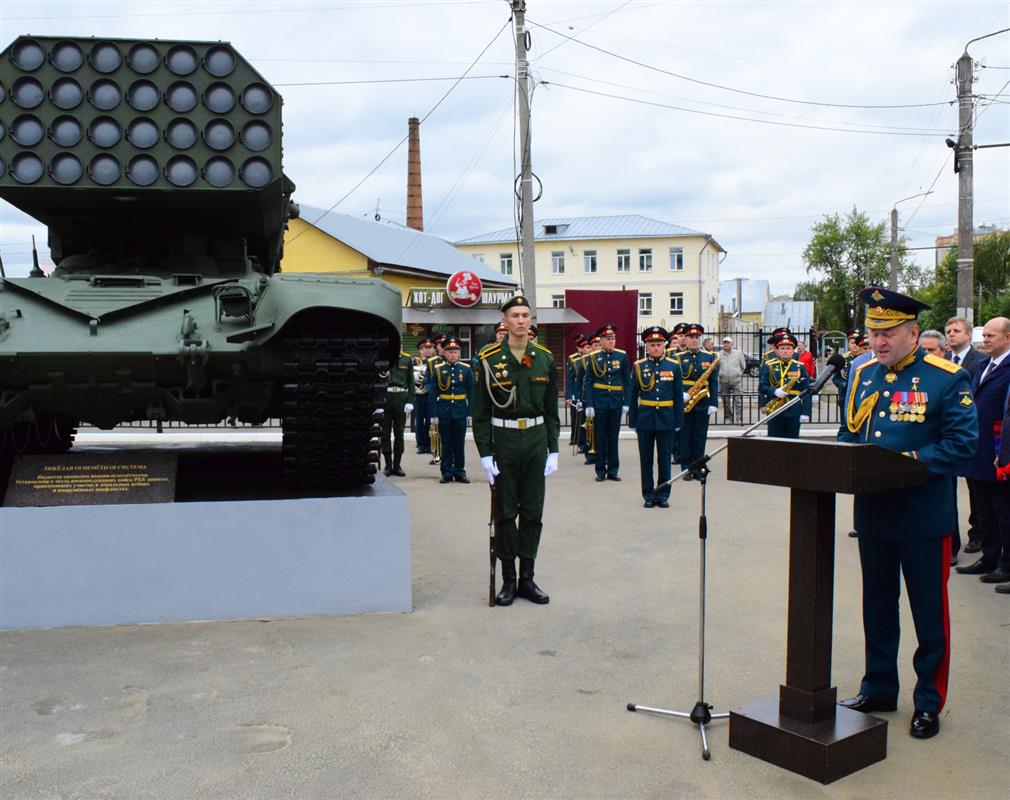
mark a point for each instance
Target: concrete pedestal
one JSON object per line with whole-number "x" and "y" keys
{"x": 233, "y": 559}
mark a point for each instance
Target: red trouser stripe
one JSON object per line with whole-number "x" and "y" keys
{"x": 944, "y": 672}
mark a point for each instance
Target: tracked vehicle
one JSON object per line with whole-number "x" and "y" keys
{"x": 156, "y": 166}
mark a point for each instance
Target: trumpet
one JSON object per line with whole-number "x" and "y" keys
{"x": 436, "y": 442}
{"x": 590, "y": 427}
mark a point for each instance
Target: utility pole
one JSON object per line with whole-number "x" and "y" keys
{"x": 964, "y": 166}
{"x": 528, "y": 273}
{"x": 893, "y": 282}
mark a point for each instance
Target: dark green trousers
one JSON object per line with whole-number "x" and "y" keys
{"x": 520, "y": 456}
{"x": 393, "y": 421}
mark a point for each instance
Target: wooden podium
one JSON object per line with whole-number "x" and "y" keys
{"x": 803, "y": 730}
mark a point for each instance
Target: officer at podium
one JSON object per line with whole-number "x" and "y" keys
{"x": 921, "y": 406}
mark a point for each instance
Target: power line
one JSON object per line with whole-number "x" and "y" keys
{"x": 733, "y": 116}
{"x": 392, "y": 80}
{"x": 400, "y": 143}
{"x": 726, "y": 88}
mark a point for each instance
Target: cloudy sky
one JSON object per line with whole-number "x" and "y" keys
{"x": 747, "y": 120}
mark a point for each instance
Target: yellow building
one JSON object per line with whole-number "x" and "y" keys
{"x": 674, "y": 269}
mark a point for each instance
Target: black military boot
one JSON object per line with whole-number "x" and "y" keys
{"x": 397, "y": 469}
{"x": 527, "y": 588}
{"x": 389, "y": 466}
{"x": 508, "y": 586}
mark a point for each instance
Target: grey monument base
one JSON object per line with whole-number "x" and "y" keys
{"x": 234, "y": 559}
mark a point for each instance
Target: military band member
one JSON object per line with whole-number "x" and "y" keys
{"x": 434, "y": 437}
{"x": 422, "y": 414}
{"x": 841, "y": 378}
{"x": 399, "y": 403}
{"x": 533, "y": 333}
{"x": 656, "y": 413}
{"x": 699, "y": 375}
{"x": 573, "y": 393}
{"x": 782, "y": 378}
{"x": 922, "y": 407}
{"x": 676, "y": 339}
{"x": 516, "y": 427}
{"x": 606, "y": 399}
{"x": 590, "y": 452}
{"x": 449, "y": 390}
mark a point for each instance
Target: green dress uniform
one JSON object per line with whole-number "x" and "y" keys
{"x": 922, "y": 407}
{"x": 790, "y": 376}
{"x": 656, "y": 414}
{"x": 694, "y": 432}
{"x": 399, "y": 392}
{"x": 515, "y": 420}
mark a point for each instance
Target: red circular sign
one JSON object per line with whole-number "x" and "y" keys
{"x": 464, "y": 289}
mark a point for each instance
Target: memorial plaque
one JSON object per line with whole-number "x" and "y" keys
{"x": 77, "y": 479}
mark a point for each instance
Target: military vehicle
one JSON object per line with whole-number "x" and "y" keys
{"x": 156, "y": 166}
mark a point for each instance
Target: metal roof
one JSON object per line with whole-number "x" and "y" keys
{"x": 753, "y": 296}
{"x": 797, "y": 314}
{"x": 626, "y": 226}
{"x": 396, "y": 246}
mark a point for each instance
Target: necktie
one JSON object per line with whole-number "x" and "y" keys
{"x": 957, "y": 360}
{"x": 985, "y": 372}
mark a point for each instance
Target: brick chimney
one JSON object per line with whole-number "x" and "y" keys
{"x": 415, "y": 211}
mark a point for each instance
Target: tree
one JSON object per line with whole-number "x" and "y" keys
{"x": 991, "y": 291}
{"x": 843, "y": 256}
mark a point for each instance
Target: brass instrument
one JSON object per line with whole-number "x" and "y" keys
{"x": 590, "y": 427}
{"x": 436, "y": 442}
{"x": 699, "y": 391}
{"x": 777, "y": 402}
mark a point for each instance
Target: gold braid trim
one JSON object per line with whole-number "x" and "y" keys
{"x": 856, "y": 418}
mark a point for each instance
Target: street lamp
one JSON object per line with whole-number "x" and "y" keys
{"x": 893, "y": 282}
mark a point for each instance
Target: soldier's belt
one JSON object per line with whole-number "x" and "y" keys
{"x": 452, "y": 397}
{"x": 656, "y": 403}
{"x": 395, "y": 389}
{"x": 608, "y": 387}
{"x": 521, "y": 424}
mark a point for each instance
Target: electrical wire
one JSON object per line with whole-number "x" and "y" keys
{"x": 738, "y": 118}
{"x": 400, "y": 143}
{"x": 729, "y": 88}
{"x": 393, "y": 80}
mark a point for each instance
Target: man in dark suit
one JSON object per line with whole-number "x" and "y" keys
{"x": 1003, "y": 467}
{"x": 964, "y": 355}
{"x": 992, "y": 497}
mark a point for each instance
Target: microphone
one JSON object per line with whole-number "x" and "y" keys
{"x": 835, "y": 363}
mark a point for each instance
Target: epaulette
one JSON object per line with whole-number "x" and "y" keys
{"x": 490, "y": 350}
{"x": 618, "y": 350}
{"x": 404, "y": 355}
{"x": 541, "y": 347}
{"x": 864, "y": 364}
{"x": 639, "y": 361}
{"x": 942, "y": 363}
{"x": 770, "y": 361}
{"x": 464, "y": 364}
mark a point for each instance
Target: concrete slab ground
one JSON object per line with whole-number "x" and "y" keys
{"x": 457, "y": 700}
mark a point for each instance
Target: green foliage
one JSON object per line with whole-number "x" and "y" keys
{"x": 841, "y": 253}
{"x": 991, "y": 294}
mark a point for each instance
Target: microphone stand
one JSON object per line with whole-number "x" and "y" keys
{"x": 701, "y": 715}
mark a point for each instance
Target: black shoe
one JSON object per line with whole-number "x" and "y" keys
{"x": 853, "y": 534}
{"x": 387, "y": 471}
{"x": 600, "y": 478}
{"x": 662, "y": 504}
{"x": 529, "y": 590}
{"x": 688, "y": 477}
{"x": 433, "y": 461}
{"x": 612, "y": 478}
{"x": 507, "y": 593}
{"x": 1003, "y": 588}
{"x": 867, "y": 705}
{"x": 398, "y": 470}
{"x": 648, "y": 503}
{"x": 446, "y": 479}
{"x": 461, "y": 477}
{"x": 973, "y": 546}
{"x": 422, "y": 451}
{"x": 925, "y": 725}
{"x": 978, "y": 568}
{"x": 996, "y": 576}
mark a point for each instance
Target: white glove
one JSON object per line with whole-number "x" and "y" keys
{"x": 687, "y": 397}
{"x": 713, "y": 409}
{"x": 804, "y": 418}
{"x": 590, "y": 412}
{"x": 490, "y": 468}
{"x": 624, "y": 409}
{"x": 781, "y": 393}
{"x": 552, "y": 464}
{"x": 578, "y": 406}
{"x": 408, "y": 408}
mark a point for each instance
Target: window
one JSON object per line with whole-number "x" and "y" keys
{"x": 645, "y": 304}
{"x": 645, "y": 259}
{"x": 479, "y": 257}
{"x": 558, "y": 262}
{"x": 505, "y": 261}
{"x": 557, "y": 301}
{"x": 624, "y": 261}
{"x": 677, "y": 303}
{"x": 589, "y": 261}
{"x": 676, "y": 259}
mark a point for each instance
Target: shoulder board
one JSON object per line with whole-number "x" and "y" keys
{"x": 490, "y": 350}
{"x": 617, "y": 350}
{"x": 942, "y": 363}
{"x": 639, "y": 361}
{"x": 862, "y": 366}
{"x": 541, "y": 347}
{"x": 404, "y": 355}
{"x": 462, "y": 363}
{"x": 771, "y": 361}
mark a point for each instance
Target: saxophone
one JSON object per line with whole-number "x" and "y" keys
{"x": 699, "y": 391}
{"x": 777, "y": 402}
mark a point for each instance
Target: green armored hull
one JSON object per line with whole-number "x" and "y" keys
{"x": 156, "y": 166}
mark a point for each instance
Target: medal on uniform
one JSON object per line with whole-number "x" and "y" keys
{"x": 891, "y": 377}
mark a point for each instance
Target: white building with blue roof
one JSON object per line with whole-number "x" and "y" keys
{"x": 674, "y": 269}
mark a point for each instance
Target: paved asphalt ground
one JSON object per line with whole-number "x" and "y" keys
{"x": 457, "y": 700}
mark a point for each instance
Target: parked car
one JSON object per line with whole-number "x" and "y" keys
{"x": 753, "y": 365}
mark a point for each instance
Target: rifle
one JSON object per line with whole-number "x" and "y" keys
{"x": 491, "y": 532}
